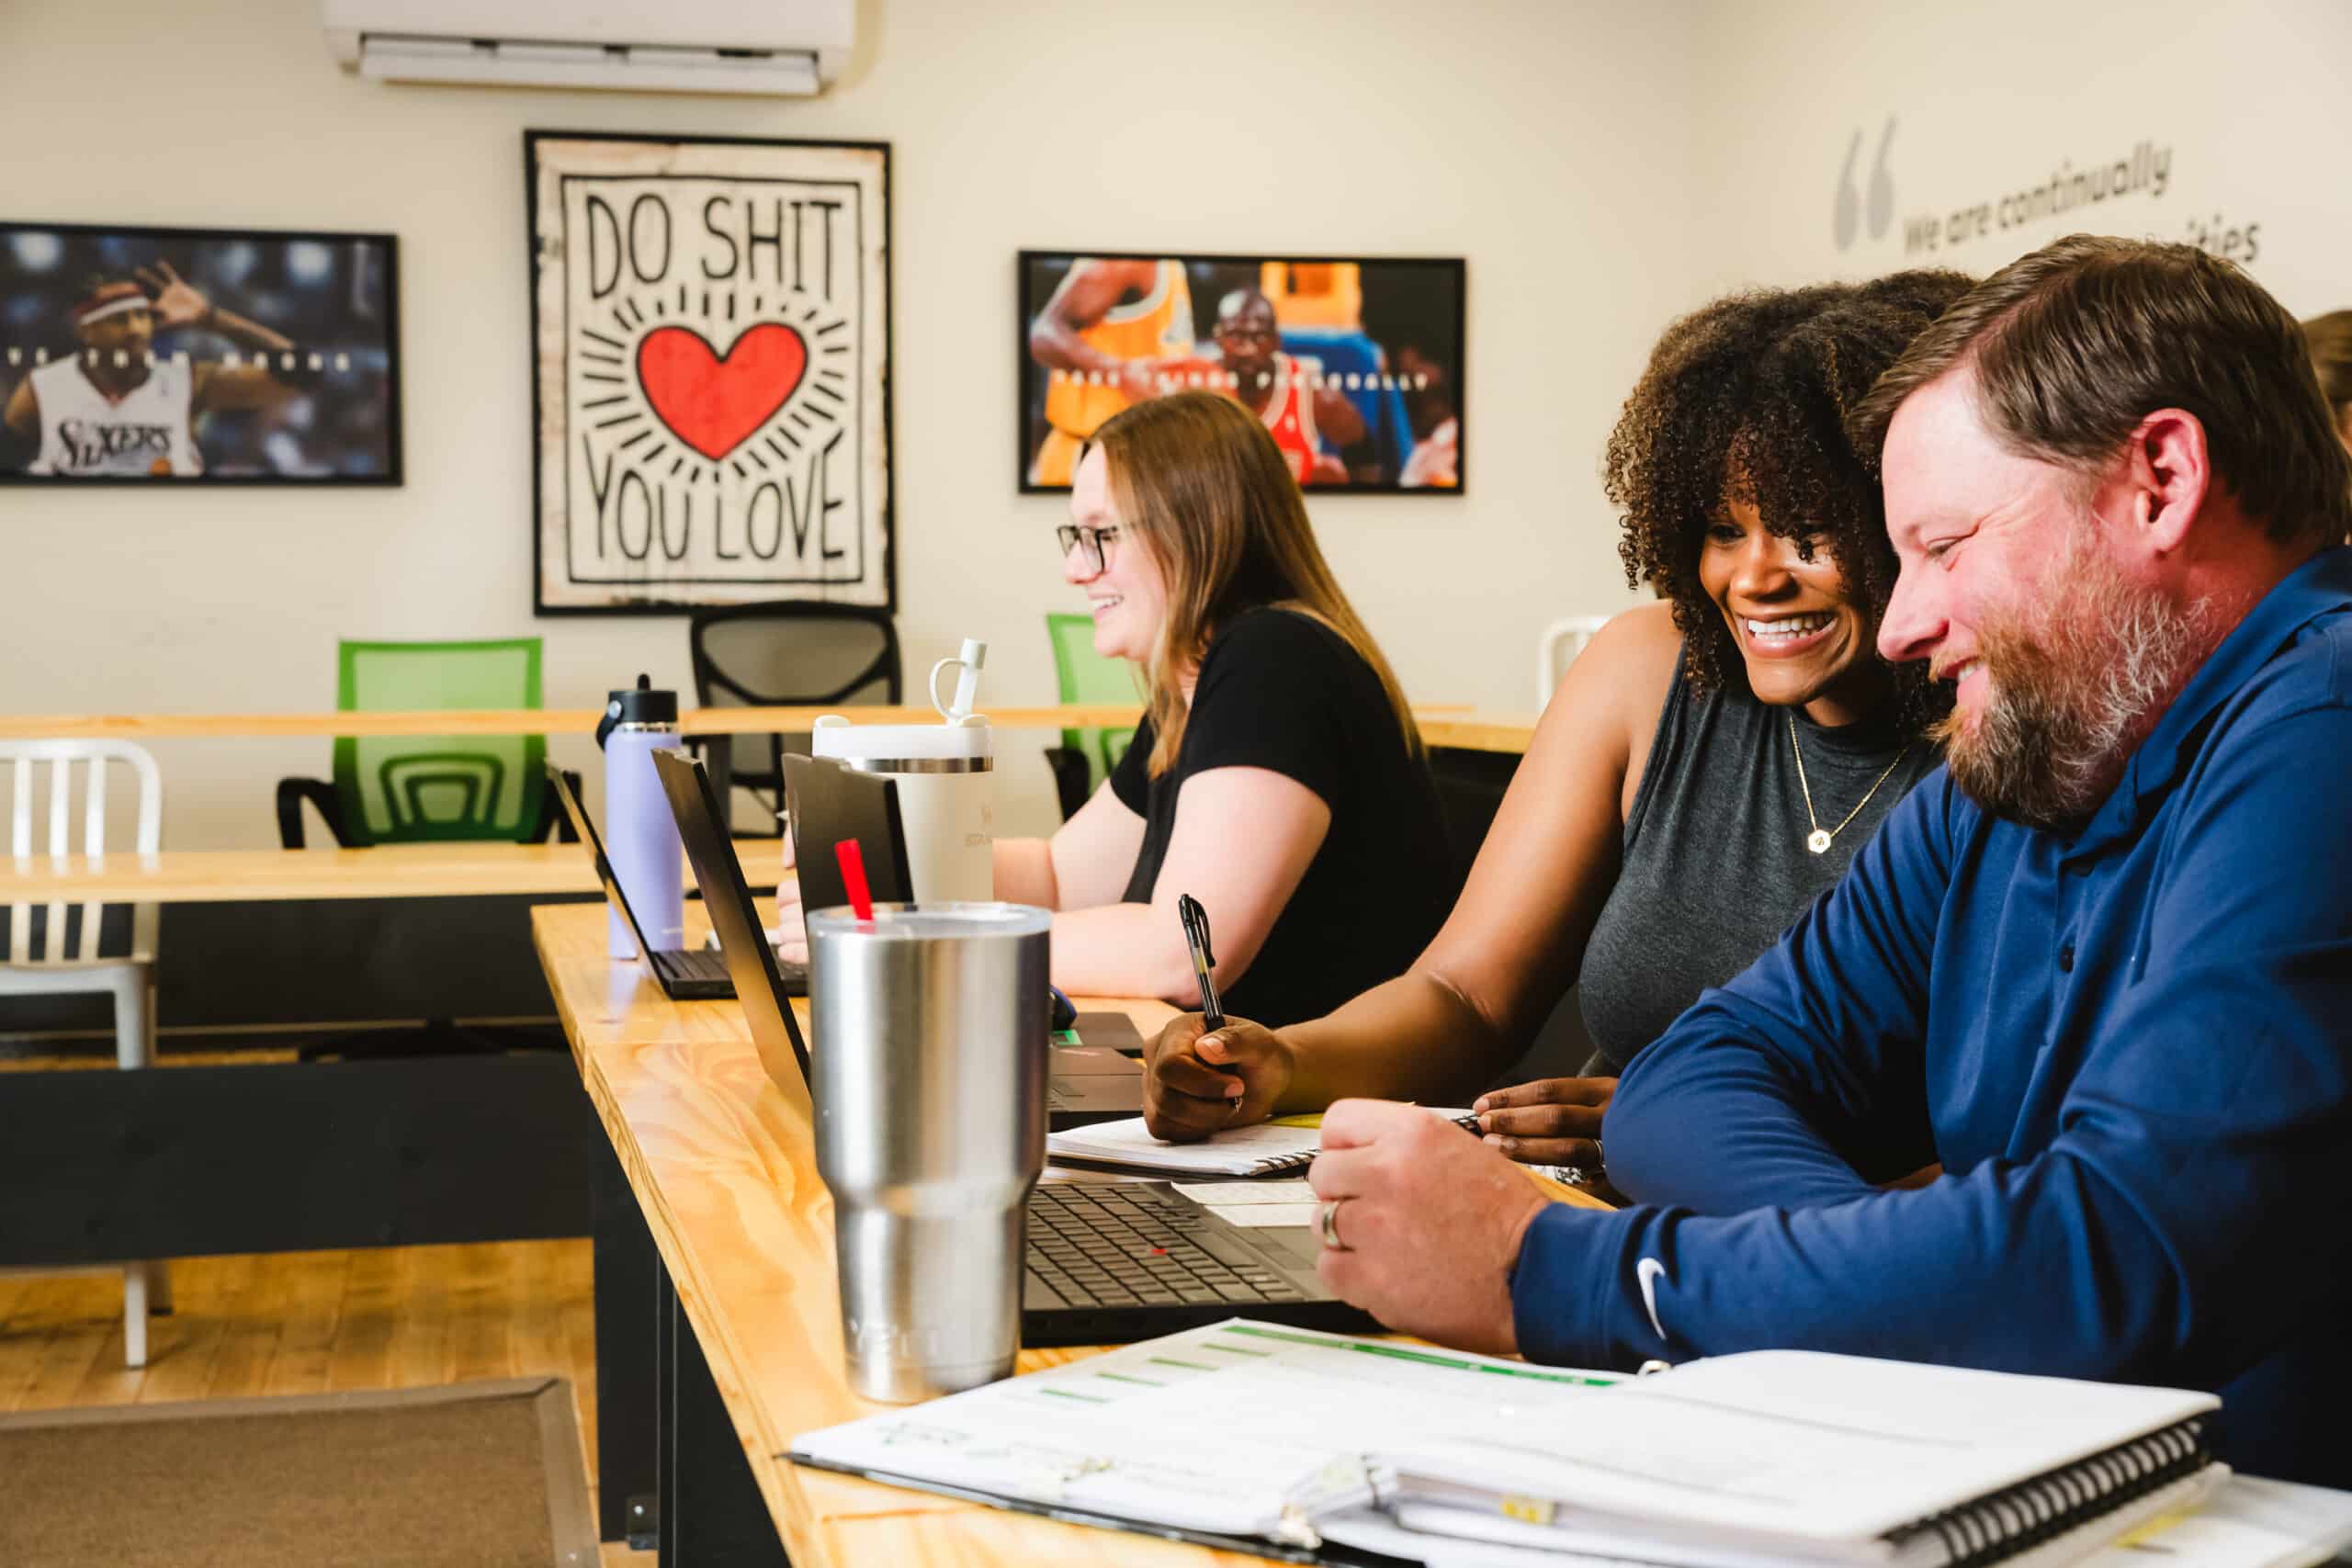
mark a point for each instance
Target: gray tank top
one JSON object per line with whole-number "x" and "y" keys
{"x": 1715, "y": 864}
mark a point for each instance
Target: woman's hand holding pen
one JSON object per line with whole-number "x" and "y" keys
{"x": 1197, "y": 1080}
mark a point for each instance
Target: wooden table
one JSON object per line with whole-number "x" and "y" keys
{"x": 721, "y": 1164}
{"x": 432, "y": 1148}
{"x": 386, "y": 871}
{"x": 1476, "y": 731}
{"x": 518, "y": 721}
{"x": 1443, "y": 723}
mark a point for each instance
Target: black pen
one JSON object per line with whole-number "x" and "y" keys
{"x": 1196, "y": 937}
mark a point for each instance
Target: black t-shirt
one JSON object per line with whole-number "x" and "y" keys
{"x": 1282, "y": 692}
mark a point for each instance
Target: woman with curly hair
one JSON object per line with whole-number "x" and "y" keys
{"x": 2330, "y": 337}
{"x": 1707, "y": 767}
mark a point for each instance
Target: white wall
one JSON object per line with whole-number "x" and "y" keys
{"x": 1992, "y": 98}
{"x": 1552, "y": 144}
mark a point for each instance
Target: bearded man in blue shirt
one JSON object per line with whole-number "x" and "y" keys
{"x": 2098, "y": 971}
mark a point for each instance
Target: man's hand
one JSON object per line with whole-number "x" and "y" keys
{"x": 1549, "y": 1122}
{"x": 177, "y": 303}
{"x": 1431, "y": 1221}
{"x": 1197, "y": 1083}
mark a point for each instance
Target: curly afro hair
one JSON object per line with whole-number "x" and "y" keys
{"x": 1746, "y": 399}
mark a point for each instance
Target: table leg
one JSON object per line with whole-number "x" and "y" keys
{"x": 712, "y": 1513}
{"x": 628, "y": 1359}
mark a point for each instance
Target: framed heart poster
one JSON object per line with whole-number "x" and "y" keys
{"x": 710, "y": 325}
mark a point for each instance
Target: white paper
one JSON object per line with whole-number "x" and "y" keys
{"x": 1440, "y": 1529}
{"x": 1216, "y": 1429}
{"x": 1783, "y": 1457}
{"x": 1265, "y": 1216}
{"x": 1803, "y": 1444}
{"x": 1239, "y": 1151}
{"x": 1223, "y": 1194}
{"x": 1235, "y": 1153}
{"x": 2249, "y": 1523}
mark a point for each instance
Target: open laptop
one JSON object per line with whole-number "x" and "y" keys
{"x": 832, "y": 801}
{"x": 686, "y": 974}
{"x": 1107, "y": 1261}
{"x": 1084, "y": 1083}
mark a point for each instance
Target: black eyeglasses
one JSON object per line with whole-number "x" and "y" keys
{"x": 1098, "y": 543}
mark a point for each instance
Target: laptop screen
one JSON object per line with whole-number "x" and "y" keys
{"x": 588, "y": 835}
{"x": 749, "y": 960}
{"x": 831, "y": 802}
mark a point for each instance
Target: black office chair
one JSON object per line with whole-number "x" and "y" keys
{"x": 1073, "y": 778}
{"x": 788, "y": 654}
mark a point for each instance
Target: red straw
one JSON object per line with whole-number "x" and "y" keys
{"x": 853, "y": 864}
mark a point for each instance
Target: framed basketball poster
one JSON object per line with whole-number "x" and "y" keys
{"x": 164, "y": 357}
{"x": 1354, "y": 363}
{"x": 710, "y": 325}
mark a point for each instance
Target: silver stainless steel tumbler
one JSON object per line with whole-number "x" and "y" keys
{"x": 928, "y": 1060}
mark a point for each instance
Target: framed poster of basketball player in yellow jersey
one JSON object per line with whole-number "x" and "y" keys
{"x": 1355, "y": 363}
{"x": 163, "y": 357}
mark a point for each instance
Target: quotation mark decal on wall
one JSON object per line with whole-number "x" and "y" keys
{"x": 1846, "y": 219}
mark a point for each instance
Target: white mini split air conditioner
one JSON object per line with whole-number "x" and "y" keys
{"x": 786, "y": 48}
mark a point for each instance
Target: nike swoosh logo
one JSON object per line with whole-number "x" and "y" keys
{"x": 1647, "y": 1272}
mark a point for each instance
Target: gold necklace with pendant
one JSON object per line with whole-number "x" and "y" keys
{"x": 1821, "y": 838}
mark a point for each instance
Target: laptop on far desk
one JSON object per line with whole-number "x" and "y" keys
{"x": 1083, "y": 1084}
{"x": 832, "y": 801}
{"x": 1106, "y": 1261}
{"x": 686, "y": 973}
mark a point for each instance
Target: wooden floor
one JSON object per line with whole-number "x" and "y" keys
{"x": 310, "y": 1323}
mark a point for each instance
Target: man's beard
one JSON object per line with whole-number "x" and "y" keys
{"x": 2072, "y": 692}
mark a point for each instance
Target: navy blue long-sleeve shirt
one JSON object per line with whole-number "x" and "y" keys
{"x": 2130, "y": 1050}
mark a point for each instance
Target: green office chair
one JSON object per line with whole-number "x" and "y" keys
{"x": 404, "y": 789}
{"x": 422, "y": 788}
{"x": 1086, "y": 757}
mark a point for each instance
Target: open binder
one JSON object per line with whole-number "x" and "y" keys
{"x": 1320, "y": 1448}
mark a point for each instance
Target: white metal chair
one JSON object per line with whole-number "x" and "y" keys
{"x": 1557, "y": 648}
{"x": 59, "y": 951}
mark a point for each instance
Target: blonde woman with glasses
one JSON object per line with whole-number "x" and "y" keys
{"x": 1277, "y": 778}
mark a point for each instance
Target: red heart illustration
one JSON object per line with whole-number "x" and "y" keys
{"x": 712, "y": 403}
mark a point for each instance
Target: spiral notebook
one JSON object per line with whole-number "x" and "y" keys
{"x": 1290, "y": 1443}
{"x": 1283, "y": 1148}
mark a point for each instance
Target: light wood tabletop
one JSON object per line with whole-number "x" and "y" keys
{"x": 517, "y": 721}
{"x": 1443, "y": 723}
{"x": 387, "y": 871}
{"x": 722, "y": 1162}
{"x": 1473, "y": 731}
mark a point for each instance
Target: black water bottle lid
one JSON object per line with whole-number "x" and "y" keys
{"x": 640, "y": 703}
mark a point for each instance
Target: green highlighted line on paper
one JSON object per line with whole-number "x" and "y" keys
{"x": 1427, "y": 1358}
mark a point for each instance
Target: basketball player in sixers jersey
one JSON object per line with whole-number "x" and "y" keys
{"x": 1310, "y": 422}
{"x": 1103, "y": 336}
{"x": 116, "y": 407}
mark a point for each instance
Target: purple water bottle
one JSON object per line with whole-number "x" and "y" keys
{"x": 640, "y": 836}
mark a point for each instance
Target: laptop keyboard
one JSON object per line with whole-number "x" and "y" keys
{"x": 691, "y": 964}
{"x": 704, "y": 964}
{"x": 1097, "y": 1244}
